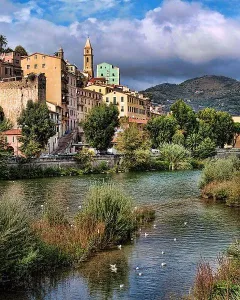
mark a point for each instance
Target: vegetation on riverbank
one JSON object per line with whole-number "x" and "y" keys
{"x": 30, "y": 245}
{"x": 224, "y": 283}
{"x": 220, "y": 180}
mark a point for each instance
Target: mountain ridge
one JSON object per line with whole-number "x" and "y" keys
{"x": 219, "y": 92}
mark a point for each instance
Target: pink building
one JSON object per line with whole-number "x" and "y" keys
{"x": 10, "y": 65}
{"x": 12, "y": 137}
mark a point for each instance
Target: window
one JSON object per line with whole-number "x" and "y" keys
{"x": 35, "y": 56}
{"x": 122, "y": 108}
{"x": 28, "y": 67}
{"x": 113, "y": 74}
{"x": 114, "y": 100}
{"x": 43, "y": 66}
{"x": 13, "y": 139}
{"x": 100, "y": 90}
{"x": 35, "y": 66}
{"x": 122, "y": 99}
{"x": 101, "y": 74}
{"x": 100, "y": 67}
{"x": 113, "y": 79}
{"x": 17, "y": 61}
{"x": 87, "y": 59}
{"x": 87, "y": 51}
{"x": 107, "y": 99}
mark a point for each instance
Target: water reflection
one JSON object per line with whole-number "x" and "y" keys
{"x": 175, "y": 196}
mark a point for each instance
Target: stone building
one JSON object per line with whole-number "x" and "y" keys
{"x": 14, "y": 95}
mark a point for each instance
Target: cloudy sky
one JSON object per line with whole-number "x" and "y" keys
{"x": 152, "y": 41}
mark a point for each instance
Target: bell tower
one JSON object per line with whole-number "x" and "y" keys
{"x": 88, "y": 59}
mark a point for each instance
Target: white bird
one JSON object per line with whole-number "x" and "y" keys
{"x": 119, "y": 247}
{"x": 163, "y": 264}
{"x": 121, "y": 286}
{"x": 140, "y": 274}
{"x": 113, "y": 268}
{"x": 185, "y": 223}
{"x": 146, "y": 234}
{"x": 137, "y": 268}
{"x": 42, "y": 206}
{"x": 163, "y": 252}
{"x": 80, "y": 206}
{"x": 175, "y": 239}
{"x": 67, "y": 207}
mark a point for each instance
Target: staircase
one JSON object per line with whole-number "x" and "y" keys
{"x": 65, "y": 143}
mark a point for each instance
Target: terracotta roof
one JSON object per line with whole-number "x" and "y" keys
{"x": 97, "y": 78}
{"x": 13, "y": 132}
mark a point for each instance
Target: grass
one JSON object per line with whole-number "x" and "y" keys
{"x": 55, "y": 239}
{"x": 222, "y": 284}
{"x": 220, "y": 180}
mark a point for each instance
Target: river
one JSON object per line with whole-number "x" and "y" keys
{"x": 208, "y": 230}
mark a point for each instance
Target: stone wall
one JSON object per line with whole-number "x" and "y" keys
{"x": 15, "y": 94}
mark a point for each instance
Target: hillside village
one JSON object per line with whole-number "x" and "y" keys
{"x": 70, "y": 94}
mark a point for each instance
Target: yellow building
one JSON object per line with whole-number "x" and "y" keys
{"x": 103, "y": 89}
{"x": 130, "y": 104}
{"x": 54, "y": 68}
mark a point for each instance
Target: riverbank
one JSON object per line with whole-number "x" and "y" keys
{"x": 55, "y": 239}
{"x": 220, "y": 181}
{"x": 224, "y": 283}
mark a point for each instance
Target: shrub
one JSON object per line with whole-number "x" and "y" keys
{"x": 84, "y": 159}
{"x": 218, "y": 170}
{"x": 106, "y": 204}
{"x": 176, "y": 155}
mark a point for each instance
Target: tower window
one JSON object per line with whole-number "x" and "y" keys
{"x": 101, "y": 74}
{"x": 87, "y": 59}
{"x": 87, "y": 51}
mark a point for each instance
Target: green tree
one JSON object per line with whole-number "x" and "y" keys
{"x": 216, "y": 125}
{"x": 4, "y": 123}
{"x": 236, "y": 132}
{"x": 1, "y": 114}
{"x": 134, "y": 145}
{"x": 100, "y": 125}
{"x": 21, "y": 50}
{"x": 3, "y": 43}
{"x": 176, "y": 156}
{"x": 206, "y": 148}
{"x": 37, "y": 128}
{"x": 185, "y": 116}
{"x": 178, "y": 138}
{"x": 161, "y": 129}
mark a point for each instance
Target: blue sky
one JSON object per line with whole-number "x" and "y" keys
{"x": 152, "y": 41}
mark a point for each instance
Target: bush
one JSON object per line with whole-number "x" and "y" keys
{"x": 106, "y": 204}
{"x": 218, "y": 170}
{"x": 84, "y": 159}
{"x": 176, "y": 156}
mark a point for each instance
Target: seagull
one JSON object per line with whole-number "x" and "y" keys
{"x": 113, "y": 268}
{"x": 137, "y": 268}
{"x": 163, "y": 252}
{"x": 42, "y": 206}
{"x": 155, "y": 226}
{"x": 175, "y": 239}
{"x": 80, "y": 206}
{"x": 163, "y": 264}
{"x": 140, "y": 274}
{"x": 67, "y": 207}
{"x": 146, "y": 234}
{"x": 119, "y": 247}
{"x": 185, "y": 223}
{"x": 121, "y": 286}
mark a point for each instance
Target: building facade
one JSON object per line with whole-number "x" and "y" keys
{"x": 109, "y": 72}
{"x": 10, "y": 65}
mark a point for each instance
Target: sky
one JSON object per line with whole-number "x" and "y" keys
{"x": 151, "y": 41}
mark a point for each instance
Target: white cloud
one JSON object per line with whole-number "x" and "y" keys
{"x": 5, "y": 19}
{"x": 175, "y": 41}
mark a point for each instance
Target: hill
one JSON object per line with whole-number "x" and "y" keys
{"x": 219, "y": 92}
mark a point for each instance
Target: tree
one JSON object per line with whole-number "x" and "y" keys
{"x": 176, "y": 156}
{"x": 37, "y": 128}
{"x": 4, "y": 123}
{"x": 21, "y": 50}
{"x": 134, "y": 145}
{"x": 178, "y": 138}
{"x": 185, "y": 116}
{"x": 216, "y": 125}
{"x": 100, "y": 125}
{"x": 206, "y": 148}
{"x": 1, "y": 114}
{"x": 161, "y": 129}
{"x": 3, "y": 43}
